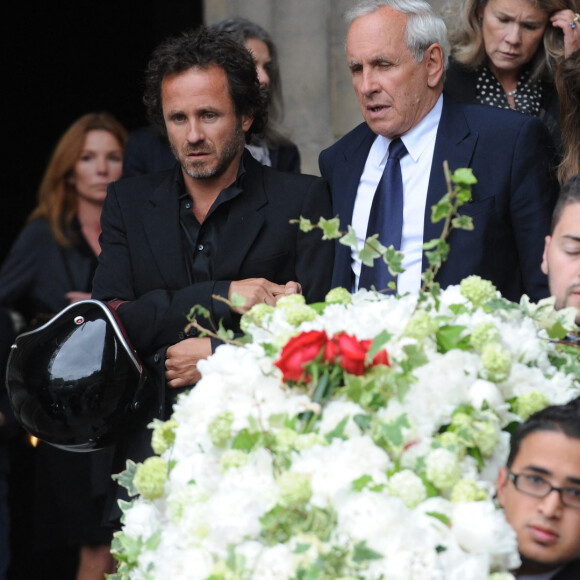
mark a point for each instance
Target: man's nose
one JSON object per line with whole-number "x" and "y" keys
{"x": 551, "y": 506}
{"x": 195, "y": 132}
{"x": 368, "y": 82}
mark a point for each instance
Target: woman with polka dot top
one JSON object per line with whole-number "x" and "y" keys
{"x": 504, "y": 54}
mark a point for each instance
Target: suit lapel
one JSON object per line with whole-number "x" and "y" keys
{"x": 455, "y": 143}
{"x": 350, "y": 173}
{"x": 163, "y": 232}
{"x": 244, "y": 221}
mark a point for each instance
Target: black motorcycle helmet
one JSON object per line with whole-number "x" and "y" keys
{"x": 75, "y": 382}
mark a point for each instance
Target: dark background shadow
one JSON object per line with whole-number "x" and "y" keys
{"x": 64, "y": 59}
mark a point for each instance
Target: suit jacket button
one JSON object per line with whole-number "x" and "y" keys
{"x": 156, "y": 357}
{"x": 181, "y": 336}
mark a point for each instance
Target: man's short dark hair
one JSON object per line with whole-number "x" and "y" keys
{"x": 570, "y": 193}
{"x": 203, "y": 48}
{"x": 563, "y": 419}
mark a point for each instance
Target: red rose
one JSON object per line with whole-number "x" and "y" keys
{"x": 352, "y": 354}
{"x": 381, "y": 358}
{"x": 331, "y": 351}
{"x": 299, "y": 351}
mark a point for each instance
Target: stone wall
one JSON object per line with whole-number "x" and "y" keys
{"x": 319, "y": 100}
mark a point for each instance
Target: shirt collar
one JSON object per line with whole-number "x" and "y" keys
{"x": 228, "y": 193}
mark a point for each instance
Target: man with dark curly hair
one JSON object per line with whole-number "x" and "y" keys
{"x": 215, "y": 226}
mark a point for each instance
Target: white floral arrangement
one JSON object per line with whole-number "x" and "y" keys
{"x": 359, "y": 438}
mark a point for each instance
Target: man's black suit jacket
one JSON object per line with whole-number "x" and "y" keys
{"x": 511, "y": 157}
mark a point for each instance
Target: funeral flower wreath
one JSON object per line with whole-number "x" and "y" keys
{"x": 358, "y": 438}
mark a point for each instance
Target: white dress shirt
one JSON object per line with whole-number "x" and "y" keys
{"x": 415, "y": 170}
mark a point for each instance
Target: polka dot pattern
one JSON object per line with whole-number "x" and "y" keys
{"x": 527, "y": 96}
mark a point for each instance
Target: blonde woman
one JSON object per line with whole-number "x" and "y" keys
{"x": 504, "y": 53}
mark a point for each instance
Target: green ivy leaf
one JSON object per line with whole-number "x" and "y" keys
{"x": 441, "y": 209}
{"x": 394, "y": 260}
{"x": 415, "y": 357}
{"x": 330, "y": 228}
{"x": 362, "y": 482}
{"x": 462, "y": 222}
{"x": 246, "y": 440}
{"x": 464, "y": 176}
{"x": 338, "y": 431}
{"x": 198, "y": 310}
{"x": 441, "y": 517}
{"x": 304, "y": 224}
{"x": 125, "y": 478}
{"x": 349, "y": 239}
{"x": 450, "y": 337}
{"x": 237, "y": 300}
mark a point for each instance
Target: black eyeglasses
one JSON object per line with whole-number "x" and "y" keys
{"x": 537, "y": 486}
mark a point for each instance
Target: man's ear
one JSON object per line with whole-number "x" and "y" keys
{"x": 433, "y": 59}
{"x": 502, "y": 480}
{"x": 246, "y": 123}
{"x": 544, "y": 265}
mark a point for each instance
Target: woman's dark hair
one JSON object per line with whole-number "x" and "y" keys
{"x": 203, "y": 48}
{"x": 563, "y": 419}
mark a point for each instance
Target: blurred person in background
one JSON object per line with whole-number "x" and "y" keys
{"x": 51, "y": 265}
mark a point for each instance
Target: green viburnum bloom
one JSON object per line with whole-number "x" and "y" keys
{"x": 163, "y": 435}
{"x": 299, "y": 313}
{"x": 443, "y": 469}
{"x": 502, "y": 576}
{"x": 284, "y": 440}
{"x": 529, "y": 403}
{"x": 220, "y": 429}
{"x": 421, "y": 325}
{"x": 485, "y": 436}
{"x": 295, "y": 309}
{"x": 497, "y": 362}
{"x": 233, "y": 458}
{"x": 451, "y": 441}
{"x": 483, "y": 334}
{"x": 338, "y": 295}
{"x": 295, "y": 490}
{"x": 255, "y": 315}
{"x": 477, "y": 290}
{"x": 466, "y": 490}
{"x": 290, "y": 300}
{"x": 409, "y": 487}
{"x": 150, "y": 477}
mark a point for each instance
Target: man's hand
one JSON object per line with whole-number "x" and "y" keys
{"x": 261, "y": 291}
{"x": 182, "y": 359}
{"x": 75, "y": 296}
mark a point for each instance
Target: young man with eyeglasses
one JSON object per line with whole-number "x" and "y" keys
{"x": 539, "y": 490}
